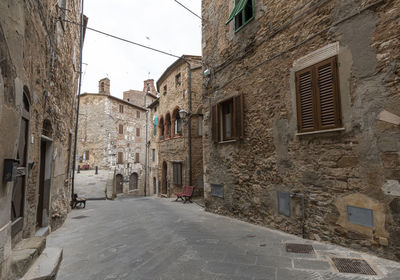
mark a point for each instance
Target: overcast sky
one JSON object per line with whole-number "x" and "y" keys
{"x": 161, "y": 24}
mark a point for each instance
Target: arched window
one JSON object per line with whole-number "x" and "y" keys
{"x": 161, "y": 127}
{"x": 168, "y": 126}
{"x": 177, "y": 122}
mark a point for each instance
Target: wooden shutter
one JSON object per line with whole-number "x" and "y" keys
{"x": 238, "y": 117}
{"x": 120, "y": 157}
{"x": 327, "y": 94}
{"x": 215, "y": 129}
{"x": 305, "y": 100}
{"x": 87, "y": 155}
{"x": 138, "y": 131}
{"x": 137, "y": 158}
{"x": 121, "y": 129}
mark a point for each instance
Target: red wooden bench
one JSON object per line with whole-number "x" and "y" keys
{"x": 186, "y": 194}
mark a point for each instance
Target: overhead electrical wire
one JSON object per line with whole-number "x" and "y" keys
{"x": 188, "y": 9}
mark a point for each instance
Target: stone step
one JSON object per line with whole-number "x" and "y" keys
{"x": 46, "y": 266}
{"x": 24, "y": 254}
{"x": 43, "y": 231}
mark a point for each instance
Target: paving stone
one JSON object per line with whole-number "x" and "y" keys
{"x": 288, "y": 274}
{"x": 275, "y": 261}
{"x": 311, "y": 264}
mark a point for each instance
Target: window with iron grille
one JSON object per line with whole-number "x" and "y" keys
{"x": 177, "y": 173}
{"x": 318, "y": 97}
{"x": 137, "y": 158}
{"x": 227, "y": 120}
{"x": 121, "y": 108}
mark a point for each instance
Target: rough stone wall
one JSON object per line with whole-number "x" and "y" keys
{"x": 40, "y": 54}
{"x": 175, "y": 148}
{"x": 154, "y": 168}
{"x": 358, "y": 166}
{"x": 138, "y": 98}
{"x": 100, "y": 118}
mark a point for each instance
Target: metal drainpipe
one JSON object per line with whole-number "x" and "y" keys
{"x": 190, "y": 120}
{"x": 78, "y": 104}
{"x": 147, "y": 147}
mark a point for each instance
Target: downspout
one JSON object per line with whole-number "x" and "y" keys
{"x": 79, "y": 100}
{"x": 147, "y": 146}
{"x": 190, "y": 120}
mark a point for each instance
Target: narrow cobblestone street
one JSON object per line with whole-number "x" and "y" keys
{"x": 152, "y": 238}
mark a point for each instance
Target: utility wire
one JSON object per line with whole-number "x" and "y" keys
{"x": 124, "y": 40}
{"x": 187, "y": 9}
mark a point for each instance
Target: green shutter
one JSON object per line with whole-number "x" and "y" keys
{"x": 239, "y": 6}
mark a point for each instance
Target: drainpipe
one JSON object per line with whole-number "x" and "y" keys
{"x": 147, "y": 146}
{"x": 78, "y": 104}
{"x": 190, "y": 119}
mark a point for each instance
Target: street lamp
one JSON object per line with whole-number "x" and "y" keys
{"x": 182, "y": 114}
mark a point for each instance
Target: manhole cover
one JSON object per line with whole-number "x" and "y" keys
{"x": 353, "y": 266}
{"x": 79, "y": 217}
{"x": 299, "y": 248}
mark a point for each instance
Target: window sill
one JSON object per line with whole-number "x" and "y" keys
{"x": 320, "y": 131}
{"x": 227, "y": 141}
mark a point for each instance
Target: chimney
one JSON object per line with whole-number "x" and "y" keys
{"x": 149, "y": 86}
{"x": 104, "y": 86}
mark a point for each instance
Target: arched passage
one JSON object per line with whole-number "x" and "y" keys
{"x": 164, "y": 178}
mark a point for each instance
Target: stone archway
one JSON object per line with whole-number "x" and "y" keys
{"x": 164, "y": 187}
{"x": 119, "y": 180}
{"x": 133, "y": 181}
{"x": 154, "y": 185}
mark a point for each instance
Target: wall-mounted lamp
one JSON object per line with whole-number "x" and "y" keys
{"x": 182, "y": 114}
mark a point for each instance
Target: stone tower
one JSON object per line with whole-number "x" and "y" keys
{"x": 149, "y": 86}
{"x": 104, "y": 86}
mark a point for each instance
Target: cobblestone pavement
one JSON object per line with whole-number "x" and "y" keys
{"x": 90, "y": 185}
{"x": 153, "y": 238}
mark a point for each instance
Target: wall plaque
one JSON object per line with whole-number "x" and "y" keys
{"x": 284, "y": 203}
{"x": 360, "y": 216}
{"x": 217, "y": 190}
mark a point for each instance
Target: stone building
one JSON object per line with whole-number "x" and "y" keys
{"x": 302, "y": 99}
{"x": 153, "y": 151}
{"x": 112, "y": 135}
{"x": 180, "y": 159}
{"x": 39, "y": 66}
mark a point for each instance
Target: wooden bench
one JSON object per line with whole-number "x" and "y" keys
{"x": 78, "y": 201}
{"x": 186, "y": 194}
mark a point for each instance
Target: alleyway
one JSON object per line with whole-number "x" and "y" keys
{"x": 151, "y": 238}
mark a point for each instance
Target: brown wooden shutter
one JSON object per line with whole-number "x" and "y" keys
{"x": 238, "y": 116}
{"x": 87, "y": 155}
{"x": 120, "y": 157}
{"x": 327, "y": 94}
{"x": 121, "y": 129}
{"x": 215, "y": 123}
{"x": 137, "y": 158}
{"x": 305, "y": 100}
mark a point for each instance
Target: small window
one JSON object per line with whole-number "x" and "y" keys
{"x": 137, "y": 131}
{"x": 102, "y": 86}
{"x": 121, "y": 129}
{"x": 177, "y": 178}
{"x": 120, "y": 157}
{"x": 137, "y": 158}
{"x": 318, "y": 98}
{"x": 242, "y": 13}
{"x": 165, "y": 90}
{"x": 121, "y": 108}
{"x": 178, "y": 79}
{"x": 153, "y": 151}
{"x": 148, "y": 87}
{"x": 227, "y": 120}
{"x": 138, "y": 114}
{"x": 154, "y": 130}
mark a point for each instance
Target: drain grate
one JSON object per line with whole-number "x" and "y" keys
{"x": 353, "y": 266}
{"x": 299, "y": 248}
{"x": 80, "y": 217}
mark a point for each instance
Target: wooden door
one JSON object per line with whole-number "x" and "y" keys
{"x": 164, "y": 178}
{"x": 133, "y": 182}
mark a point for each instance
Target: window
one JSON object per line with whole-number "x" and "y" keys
{"x": 102, "y": 86}
{"x": 161, "y": 126}
{"x": 168, "y": 126}
{"x": 120, "y": 157}
{"x": 153, "y": 152}
{"x": 85, "y": 155}
{"x": 243, "y": 12}
{"x": 137, "y": 131}
{"x": 137, "y": 158}
{"x": 227, "y": 120}
{"x": 177, "y": 178}
{"x": 138, "y": 114}
{"x": 121, "y": 108}
{"x": 148, "y": 87}
{"x": 318, "y": 98}
{"x": 165, "y": 90}
{"x": 178, "y": 80}
{"x": 177, "y": 122}
{"x": 121, "y": 129}
{"x": 154, "y": 130}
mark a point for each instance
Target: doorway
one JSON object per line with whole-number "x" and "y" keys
{"x": 164, "y": 178}
{"x": 154, "y": 185}
{"x": 119, "y": 183}
{"x": 133, "y": 182}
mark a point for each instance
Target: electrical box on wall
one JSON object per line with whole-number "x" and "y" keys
{"x": 10, "y": 170}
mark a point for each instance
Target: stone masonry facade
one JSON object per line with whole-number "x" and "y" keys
{"x": 39, "y": 66}
{"x": 173, "y": 132}
{"x": 259, "y": 60}
{"x": 112, "y": 135}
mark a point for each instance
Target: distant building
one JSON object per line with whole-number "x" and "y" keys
{"x": 302, "y": 100}
{"x": 180, "y": 148}
{"x": 112, "y": 135}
